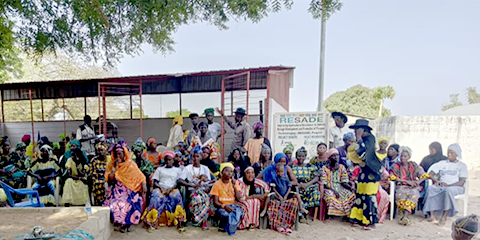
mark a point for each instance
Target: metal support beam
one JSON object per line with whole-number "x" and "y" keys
{"x": 223, "y": 120}
{"x": 3, "y": 111}
{"x": 41, "y": 105}
{"x": 31, "y": 112}
{"x": 131, "y": 107}
{"x": 141, "y": 109}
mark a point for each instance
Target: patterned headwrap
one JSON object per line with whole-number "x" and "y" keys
{"x": 209, "y": 110}
{"x": 456, "y": 149}
{"x": 288, "y": 148}
{"x": 380, "y": 140}
{"x": 257, "y": 126}
{"x": 178, "y": 120}
{"x": 26, "y": 137}
{"x": 151, "y": 140}
{"x": 331, "y": 152}
{"x": 138, "y": 146}
{"x": 101, "y": 146}
{"x": 196, "y": 149}
{"x": 20, "y": 145}
{"x": 467, "y": 225}
{"x": 301, "y": 150}
{"x": 348, "y": 135}
{"x": 47, "y": 148}
{"x": 177, "y": 152}
{"x": 76, "y": 143}
{"x": 168, "y": 153}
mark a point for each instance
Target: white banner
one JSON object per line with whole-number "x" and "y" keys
{"x": 306, "y": 129}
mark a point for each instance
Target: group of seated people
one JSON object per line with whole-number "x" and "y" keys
{"x": 172, "y": 187}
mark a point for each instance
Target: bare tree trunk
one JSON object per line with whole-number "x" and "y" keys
{"x": 380, "y": 109}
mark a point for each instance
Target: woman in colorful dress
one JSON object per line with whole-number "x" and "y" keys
{"x": 151, "y": 153}
{"x": 321, "y": 159}
{"x": 191, "y": 176}
{"x": 98, "y": 166}
{"x": 205, "y": 140}
{"x": 145, "y": 166}
{"x": 45, "y": 170}
{"x": 75, "y": 190}
{"x": 408, "y": 176}
{"x": 166, "y": 206}
{"x": 364, "y": 210}
{"x": 254, "y": 145}
{"x": 226, "y": 194}
{"x": 338, "y": 193}
{"x": 126, "y": 187}
{"x": 307, "y": 177}
{"x": 254, "y": 191}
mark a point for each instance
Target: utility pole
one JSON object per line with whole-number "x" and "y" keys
{"x": 322, "y": 58}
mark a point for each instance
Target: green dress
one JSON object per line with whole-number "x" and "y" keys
{"x": 311, "y": 196}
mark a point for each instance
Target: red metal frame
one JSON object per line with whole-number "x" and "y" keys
{"x": 31, "y": 112}
{"x": 267, "y": 107}
{"x": 102, "y": 94}
{"x": 223, "y": 121}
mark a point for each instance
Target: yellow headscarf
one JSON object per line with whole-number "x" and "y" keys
{"x": 380, "y": 140}
{"x": 178, "y": 120}
{"x": 226, "y": 164}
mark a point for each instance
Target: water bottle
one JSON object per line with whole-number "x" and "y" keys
{"x": 88, "y": 208}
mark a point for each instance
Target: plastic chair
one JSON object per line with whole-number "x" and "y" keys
{"x": 463, "y": 197}
{"x": 57, "y": 188}
{"x": 33, "y": 194}
{"x": 391, "y": 195}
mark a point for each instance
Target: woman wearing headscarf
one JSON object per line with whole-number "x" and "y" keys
{"x": 44, "y": 171}
{"x": 338, "y": 193}
{"x": 143, "y": 164}
{"x": 393, "y": 156}
{"x": 75, "y": 190}
{"x": 98, "y": 166}
{"x": 74, "y": 144}
{"x": 321, "y": 159}
{"x": 288, "y": 151}
{"x": 204, "y": 140}
{"x": 449, "y": 177}
{"x": 383, "y": 143}
{"x": 166, "y": 205}
{"x": 465, "y": 228}
{"x": 226, "y": 194}
{"x": 214, "y": 128}
{"x": 151, "y": 154}
{"x": 15, "y": 166}
{"x": 265, "y": 160}
{"x": 126, "y": 188}
{"x": 254, "y": 191}
{"x": 176, "y": 133}
{"x": 254, "y": 145}
{"x": 208, "y": 162}
{"x": 239, "y": 162}
{"x": 365, "y": 208}
{"x": 191, "y": 177}
{"x": 436, "y": 155}
{"x": 408, "y": 177}
{"x": 281, "y": 214}
{"x": 307, "y": 177}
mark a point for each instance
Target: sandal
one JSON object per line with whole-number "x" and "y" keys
{"x": 181, "y": 230}
{"x": 151, "y": 229}
{"x": 281, "y": 230}
{"x": 288, "y": 231}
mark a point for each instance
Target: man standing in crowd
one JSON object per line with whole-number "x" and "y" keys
{"x": 241, "y": 129}
{"x": 339, "y": 130}
{"x": 86, "y": 136}
{"x": 214, "y": 128}
{"x": 195, "y": 131}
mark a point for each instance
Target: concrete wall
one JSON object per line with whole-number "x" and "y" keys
{"x": 418, "y": 132}
{"x": 127, "y": 129}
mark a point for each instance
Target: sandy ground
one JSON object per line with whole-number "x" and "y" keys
{"x": 334, "y": 229}
{"x": 15, "y": 224}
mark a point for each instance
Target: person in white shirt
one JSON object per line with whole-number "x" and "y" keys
{"x": 337, "y": 132}
{"x": 86, "y": 136}
{"x": 214, "y": 128}
{"x": 449, "y": 177}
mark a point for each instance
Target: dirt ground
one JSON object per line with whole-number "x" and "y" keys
{"x": 17, "y": 224}
{"x": 335, "y": 229}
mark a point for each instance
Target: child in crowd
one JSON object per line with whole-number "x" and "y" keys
{"x": 177, "y": 161}
{"x": 282, "y": 189}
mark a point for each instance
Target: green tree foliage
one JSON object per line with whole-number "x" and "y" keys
{"x": 107, "y": 30}
{"x": 360, "y": 100}
{"x": 172, "y": 114}
{"x": 52, "y": 67}
{"x": 454, "y": 102}
{"x": 472, "y": 97}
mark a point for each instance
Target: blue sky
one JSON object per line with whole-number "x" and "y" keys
{"x": 425, "y": 49}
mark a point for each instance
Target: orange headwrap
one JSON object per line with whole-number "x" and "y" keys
{"x": 150, "y": 141}
{"x": 127, "y": 173}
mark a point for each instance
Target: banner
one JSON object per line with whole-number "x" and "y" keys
{"x": 300, "y": 130}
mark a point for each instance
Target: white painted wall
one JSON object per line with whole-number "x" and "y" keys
{"x": 274, "y": 108}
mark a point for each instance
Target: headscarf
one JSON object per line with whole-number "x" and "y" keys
{"x": 279, "y": 156}
{"x": 265, "y": 148}
{"x": 331, "y": 152}
{"x": 270, "y": 172}
{"x": 209, "y": 110}
{"x": 406, "y": 149}
{"x": 68, "y": 153}
{"x": 127, "y": 172}
{"x": 203, "y": 124}
{"x": 101, "y": 146}
{"x": 251, "y": 184}
{"x": 257, "y": 126}
{"x": 177, "y": 152}
{"x": 196, "y": 149}
{"x": 429, "y": 160}
{"x": 287, "y": 149}
{"x": 26, "y": 137}
{"x": 178, "y": 120}
{"x": 301, "y": 150}
{"x": 47, "y": 148}
{"x": 456, "y": 149}
{"x": 467, "y": 225}
{"x": 395, "y": 146}
{"x": 225, "y": 165}
{"x": 20, "y": 145}
{"x": 138, "y": 146}
{"x": 380, "y": 140}
{"x": 151, "y": 140}
{"x": 169, "y": 153}
{"x": 348, "y": 135}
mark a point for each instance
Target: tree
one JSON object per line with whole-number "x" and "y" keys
{"x": 472, "y": 95}
{"x": 360, "y": 100}
{"x": 107, "y": 30}
{"x": 172, "y": 114}
{"x": 454, "y": 102}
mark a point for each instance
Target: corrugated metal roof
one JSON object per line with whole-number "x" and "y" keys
{"x": 209, "y": 81}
